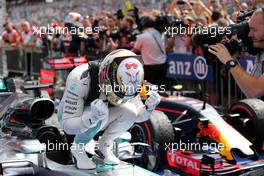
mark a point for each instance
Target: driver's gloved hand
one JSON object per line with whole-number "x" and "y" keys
{"x": 99, "y": 111}
{"x": 152, "y": 101}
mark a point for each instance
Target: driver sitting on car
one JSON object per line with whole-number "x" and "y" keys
{"x": 105, "y": 97}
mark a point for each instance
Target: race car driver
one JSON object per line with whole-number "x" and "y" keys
{"x": 104, "y": 96}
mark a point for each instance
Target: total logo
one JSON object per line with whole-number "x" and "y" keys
{"x": 182, "y": 161}
{"x": 185, "y": 163}
{"x": 200, "y": 67}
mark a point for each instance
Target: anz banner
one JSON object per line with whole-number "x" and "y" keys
{"x": 193, "y": 67}
{"x": 188, "y": 66}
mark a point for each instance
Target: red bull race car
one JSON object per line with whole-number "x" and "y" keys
{"x": 190, "y": 137}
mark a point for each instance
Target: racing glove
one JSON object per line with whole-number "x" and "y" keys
{"x": 99, "y": 111}
{"x": 152, "y": 101}
{"x": 144, "y": 113}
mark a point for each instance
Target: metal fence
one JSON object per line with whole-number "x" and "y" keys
{"x": 207, "y": 77}
{"x": 182, "y": 69}
{"x": 21, "y": 60}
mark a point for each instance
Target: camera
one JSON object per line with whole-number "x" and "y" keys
{"x": 240, "y": 29}
{"x": 163, "y": 21}
{"x": 180, "y": 2}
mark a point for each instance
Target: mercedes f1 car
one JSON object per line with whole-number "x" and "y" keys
{"x": 190, "y": 137}
{"x": 32, "y": 143}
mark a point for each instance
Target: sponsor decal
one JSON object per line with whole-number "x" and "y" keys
{"x": 71, "y": 102}
{"x": 185, "y": 163}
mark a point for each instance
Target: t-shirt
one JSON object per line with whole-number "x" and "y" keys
{"x": 258, "y": 68}
{"x": 10, "y": 36}
{"x": 179, "y": 46}
{"x": 152, "y": 47}
{"x": 27, "y": 37}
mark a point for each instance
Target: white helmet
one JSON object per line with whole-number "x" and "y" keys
{"x": 121, "y": 75}
{"x": 74, "y": 18}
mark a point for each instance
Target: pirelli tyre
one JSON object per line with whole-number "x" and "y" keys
{"x": 248, "y": 119}
{"x": 158, "y": 133}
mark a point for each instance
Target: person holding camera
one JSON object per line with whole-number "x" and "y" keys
{"x": 152, "y": 48}
{"x": 251, "y": 84}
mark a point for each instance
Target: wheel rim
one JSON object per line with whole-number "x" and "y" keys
{"x": 149, "y": 157}
{"x": 138, "y": 135}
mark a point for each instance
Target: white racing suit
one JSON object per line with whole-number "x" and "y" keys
{"x": 74, "y": 114}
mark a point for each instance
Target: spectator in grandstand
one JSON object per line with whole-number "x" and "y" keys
{"x": 234, "y": 16}
{"x": 258, "y": 3}
{"x": 71, "y": 41}
{"x": 88, "y": 39}
{"x": 201, "y": 21}
{"x": 214, "y": 5}
{"x": 27, "y": 41}
{"x": 152, "y": 48}
{"x": 10, "y": 36}
{"x": 178, "y": 44}
{"x": 216, "y": 15}
{"x": 54, "y": 39}
{"x": 122, "y": 36}
{"x": 201, "y": 10}
{"x": 222, "y": 22}
{"x": 27, "y": 37}
{"x": 125, "y": 33}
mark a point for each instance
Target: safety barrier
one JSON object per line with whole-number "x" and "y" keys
{"x": 21, "y": 60}
{"x": 192, "y": 71}
{"x": 95, "y": 54}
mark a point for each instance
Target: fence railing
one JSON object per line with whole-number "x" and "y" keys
{"x": 21, "y": 60}
{"x": 192, "y": 71}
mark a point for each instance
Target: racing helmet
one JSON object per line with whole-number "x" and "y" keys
{"x": 121, "y": 76}
{"x": 73, "y": 19}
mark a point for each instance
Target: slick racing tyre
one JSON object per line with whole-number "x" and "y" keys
{"x": 250, "y": 121}
{"x": 158, "y": 133}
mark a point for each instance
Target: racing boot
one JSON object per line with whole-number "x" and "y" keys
{"x": 81, "y": 159}
{"x": 105, "y": 151}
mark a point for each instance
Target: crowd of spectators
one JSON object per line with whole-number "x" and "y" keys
{"x": 22, "y": 35}
{"x": 112, "y": 29}
{"x": 41, "y": 13}
{"x": 118, "y": 30}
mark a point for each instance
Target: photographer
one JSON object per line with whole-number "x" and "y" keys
{"x": 125, "y": 33}
{"x": 71, "y": 41}
{"x": 152, "y": 48}
{"x": 88, "y": 37}
{"x": 251, "y": 84}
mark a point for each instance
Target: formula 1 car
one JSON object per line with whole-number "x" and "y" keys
{"x": 186, "y": 135}
{"x": 190, "y": 137}
{"x": 31, "y": 143}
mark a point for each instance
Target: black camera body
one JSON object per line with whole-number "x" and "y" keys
{"x": 240, "y": 29}
{"x": 165, "y": 21}
{"x": 243, "y": 42}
